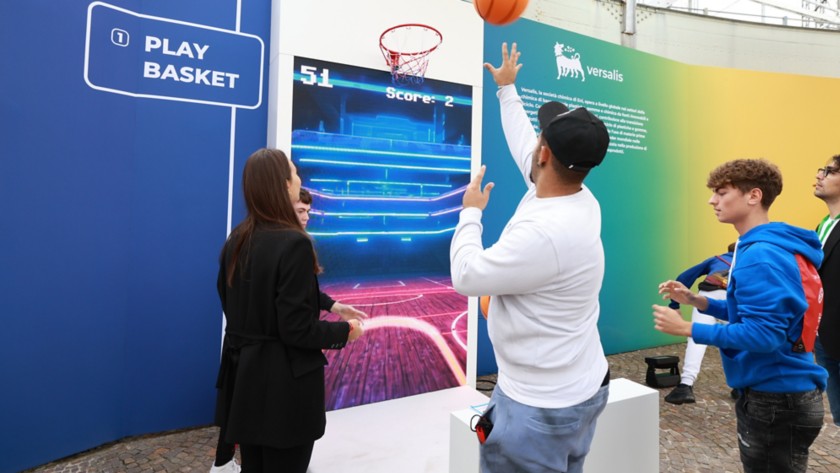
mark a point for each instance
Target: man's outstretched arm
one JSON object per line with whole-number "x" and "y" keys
{"x": 517, "y": 127}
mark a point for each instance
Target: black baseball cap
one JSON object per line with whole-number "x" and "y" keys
{"x": 549, "y": 111}
{"x": 577, "y": 138}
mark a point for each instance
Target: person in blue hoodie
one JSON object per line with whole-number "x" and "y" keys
{"x": 773, "y": 301}
{"x": 716, "y": 270}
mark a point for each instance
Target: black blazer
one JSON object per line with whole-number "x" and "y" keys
{"x": 271, "y": 378}
{"x": 830, "y": 274}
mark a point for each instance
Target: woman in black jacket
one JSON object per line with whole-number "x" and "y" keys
{"x": 271, "y": 378}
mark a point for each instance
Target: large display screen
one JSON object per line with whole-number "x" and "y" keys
{"x": 387, "y": 165}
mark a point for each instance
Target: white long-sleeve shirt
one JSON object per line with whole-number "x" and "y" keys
{"x": 544, "y": 275}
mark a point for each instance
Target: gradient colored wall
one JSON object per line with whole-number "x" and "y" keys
{"x": 656, "y": 221}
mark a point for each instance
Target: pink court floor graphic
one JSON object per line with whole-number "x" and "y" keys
{"x": 415, "y": 339}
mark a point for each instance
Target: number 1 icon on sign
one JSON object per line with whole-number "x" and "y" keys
{"x": 119, "y": 37}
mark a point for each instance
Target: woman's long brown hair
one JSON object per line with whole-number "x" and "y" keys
{"x": 265, "y": 183}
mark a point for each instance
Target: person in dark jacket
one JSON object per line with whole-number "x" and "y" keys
{"x": 773, "y": 301}
{"x": 271, "y": 379}
{"x": 827, "y": 347}
{"x": 225, "y": 452}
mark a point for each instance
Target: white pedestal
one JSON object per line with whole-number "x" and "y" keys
{"x": 407, "y": 435}
{"x": 627, "y": 434}
{"x": 463, "y": 443}
{"x": 626, "y": 437}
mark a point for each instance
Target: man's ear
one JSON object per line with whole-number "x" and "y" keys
{"x": 543, "y": 156}
{"x": 755, "y": 195}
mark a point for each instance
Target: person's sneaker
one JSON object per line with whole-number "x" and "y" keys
{"x": 682, "y": 394}
{"x": 229, "y": 467}
{"x": 734, "y": 394}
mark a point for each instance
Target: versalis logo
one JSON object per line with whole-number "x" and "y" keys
{"x": 568, "y": 65}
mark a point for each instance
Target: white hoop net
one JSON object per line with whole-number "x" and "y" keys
{"x": 406, "y": 50}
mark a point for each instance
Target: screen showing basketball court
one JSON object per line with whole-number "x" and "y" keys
{"x": 387, "y": 165}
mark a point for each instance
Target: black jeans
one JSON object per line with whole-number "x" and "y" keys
{"x": 775, "y": 430}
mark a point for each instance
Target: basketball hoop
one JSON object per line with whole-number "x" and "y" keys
{"x": 406, "y": 49}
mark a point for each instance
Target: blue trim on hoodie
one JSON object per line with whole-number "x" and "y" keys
{"x": 765, "y": 304}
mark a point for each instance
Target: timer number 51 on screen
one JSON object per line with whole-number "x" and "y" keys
{"x": 311, "y": 75}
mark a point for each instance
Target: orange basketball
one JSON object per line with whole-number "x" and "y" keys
{"x": 484, "y": 305}
{"x": 500, "y": 12}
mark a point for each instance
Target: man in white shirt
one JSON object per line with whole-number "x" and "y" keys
{"x": 544, "y": 275}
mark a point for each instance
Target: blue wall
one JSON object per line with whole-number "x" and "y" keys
{"x": 114, "y": 211}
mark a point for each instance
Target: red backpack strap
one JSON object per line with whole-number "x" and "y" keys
{"x": 724, "y": 260}
{"x": 812, "y": 285}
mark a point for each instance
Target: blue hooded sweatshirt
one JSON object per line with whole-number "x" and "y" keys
{"x": 765, "y": 305}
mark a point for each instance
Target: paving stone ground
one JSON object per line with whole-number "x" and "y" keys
{"x": 696, "y": 437}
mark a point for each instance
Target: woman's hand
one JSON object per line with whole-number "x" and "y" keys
{"x": 356, "y": 329}
{"x": 347, "y": 312}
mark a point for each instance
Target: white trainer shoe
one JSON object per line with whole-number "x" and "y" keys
{"x": 229, "y": 467}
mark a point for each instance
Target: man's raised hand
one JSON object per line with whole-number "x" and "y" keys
{"x": 475, "y": 196}
{"x": 505, "y": 74}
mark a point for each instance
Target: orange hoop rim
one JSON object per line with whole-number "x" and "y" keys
{"x": 409, "y": 25}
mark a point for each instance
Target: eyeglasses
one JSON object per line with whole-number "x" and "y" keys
{"x": 827, "y": 171}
